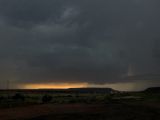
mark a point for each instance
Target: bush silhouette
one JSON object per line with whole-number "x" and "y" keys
{"x": 46, "y": 98}
{"x": 1, "y": 98}
{"x": 18, "y": 97}
{"x": 108, "y": 99}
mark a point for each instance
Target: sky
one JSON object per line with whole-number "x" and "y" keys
{"x": 79, "y": 43}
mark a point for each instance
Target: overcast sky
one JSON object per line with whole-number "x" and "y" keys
{"x": 80, "y": 41}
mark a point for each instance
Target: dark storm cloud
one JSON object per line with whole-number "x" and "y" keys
{"x": 91, "y": 41}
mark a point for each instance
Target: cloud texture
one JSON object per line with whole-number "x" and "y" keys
{"x": 93, "y": 41}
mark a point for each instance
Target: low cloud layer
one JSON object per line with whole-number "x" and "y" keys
{"x": 93, "y": 41}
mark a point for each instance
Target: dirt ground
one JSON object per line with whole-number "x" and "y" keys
{"x": 42, "y": 110}
{"x": 80, "y": 112}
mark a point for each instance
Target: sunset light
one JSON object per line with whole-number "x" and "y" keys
{"x": 55, "y": 86}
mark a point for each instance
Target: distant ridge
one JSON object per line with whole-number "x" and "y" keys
{"x": 93, "y": 90}
{"x": 70, "y": 90}
{"x": 153, "y": 89}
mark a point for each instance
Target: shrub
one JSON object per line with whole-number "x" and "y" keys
{"x": 46, "y": 98}
{"x": 1, "y": 98}
{"x": 18, "y": 97}
{"x": 108, "y": 98}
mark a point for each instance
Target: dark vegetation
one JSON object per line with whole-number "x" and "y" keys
{"x": 153, "y": 90}
{"x": 18, "y": 97}
{"x": 86, "y": 95}
{"x": 46, "y": 98}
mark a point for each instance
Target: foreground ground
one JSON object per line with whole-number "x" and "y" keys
{"x": 23, "y": 105}
{"x": 81, "y": 112}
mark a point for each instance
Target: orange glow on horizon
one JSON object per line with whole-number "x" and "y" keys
{"x": 55, "y": 86}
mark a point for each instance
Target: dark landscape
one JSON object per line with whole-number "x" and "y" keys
{"x": 80, "y": 104}
{"x": 79, "y": 59}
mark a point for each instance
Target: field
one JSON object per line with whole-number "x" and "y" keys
{"x": 71, "y": 105}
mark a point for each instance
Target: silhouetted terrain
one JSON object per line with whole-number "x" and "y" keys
{"x": 153, "y": 90}
{"x": 71, "y": 90}
{"x": 79, "y": 104}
